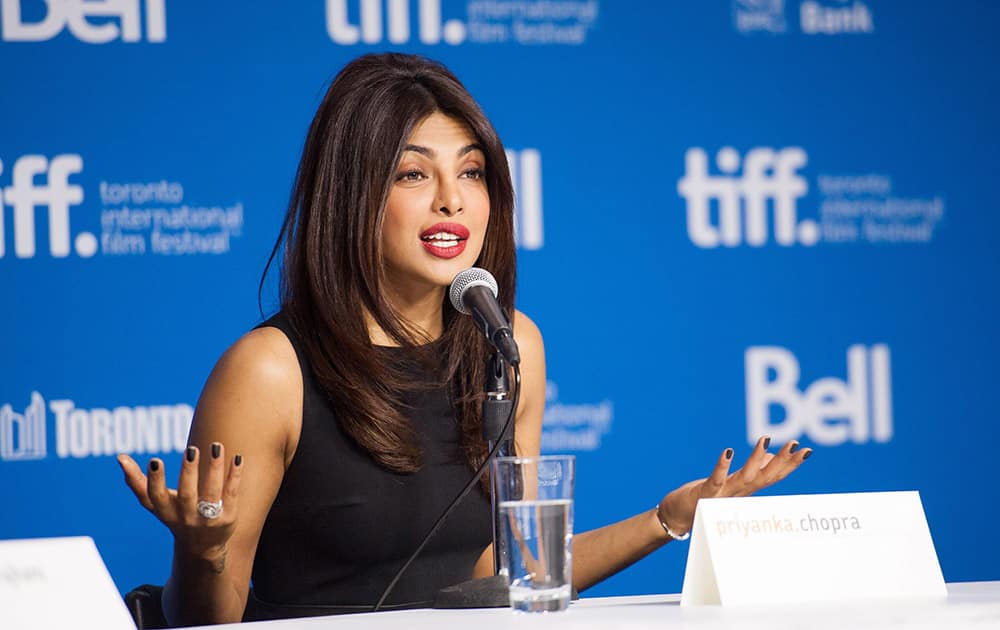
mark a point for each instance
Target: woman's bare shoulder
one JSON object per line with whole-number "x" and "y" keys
{"x": 531, "y": 407}
{"x": 265, "y": 356}
{"x": 527, "y": 332}
{"x": 254, "y": 389}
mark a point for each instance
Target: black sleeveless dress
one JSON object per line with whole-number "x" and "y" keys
{"x": 341, "y": 525}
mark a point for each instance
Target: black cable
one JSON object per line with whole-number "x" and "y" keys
{"x": 461, "y": 495}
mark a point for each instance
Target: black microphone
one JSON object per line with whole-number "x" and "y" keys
{"x": 474, "y": 292}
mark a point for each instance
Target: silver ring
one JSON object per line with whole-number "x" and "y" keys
{"x": 210, "y": 509}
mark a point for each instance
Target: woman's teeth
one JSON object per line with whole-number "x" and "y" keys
{"x": 442, "y": 239}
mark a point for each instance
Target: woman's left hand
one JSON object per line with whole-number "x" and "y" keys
{"x": 761, "y": 470}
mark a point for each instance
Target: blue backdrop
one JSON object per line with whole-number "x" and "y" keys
{"x": 759, "y": 216}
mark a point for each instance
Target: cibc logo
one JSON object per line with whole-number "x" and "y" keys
{"x": 24, "y": 195}
{"x": 770, "y": 181}
{"x": 759, "y": 15}
{"x": 74, "y": 14}
{"x": 830, "y": 411}
{"x": 396, "y": 23}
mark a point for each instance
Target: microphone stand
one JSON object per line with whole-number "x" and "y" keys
{"x": 496, "y": 409}
{"x": 490, "y": 592}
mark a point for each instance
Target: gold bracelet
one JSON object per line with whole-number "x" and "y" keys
{"x": 667, "y": 529}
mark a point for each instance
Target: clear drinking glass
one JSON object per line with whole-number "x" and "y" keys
{"x": 535, "y": 497}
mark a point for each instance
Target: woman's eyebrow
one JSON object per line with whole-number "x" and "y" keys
{"x": 429, "y": 152}
{"x": 416, "y": 148}
{"x": 470, "y": 148}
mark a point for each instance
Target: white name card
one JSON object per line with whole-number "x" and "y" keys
{"x": 766, "y": 550}
{"x": 58, "y": 583}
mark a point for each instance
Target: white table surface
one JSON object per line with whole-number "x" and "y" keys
{"x": 970, "y": 605}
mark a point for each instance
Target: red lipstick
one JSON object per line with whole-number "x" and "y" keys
{"x": 445, "y": 240}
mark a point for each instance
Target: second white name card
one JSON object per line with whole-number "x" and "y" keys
{"x": 761, "y": 550}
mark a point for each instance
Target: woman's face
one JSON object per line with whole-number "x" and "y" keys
{"x": 435, "y": 219}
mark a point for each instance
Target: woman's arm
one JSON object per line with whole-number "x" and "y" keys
{"x": 602, "y": 552}
{"x": 251, "y": 406}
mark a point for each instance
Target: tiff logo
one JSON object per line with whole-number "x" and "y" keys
{"x": 22, "y": 436}
{"x": 526, "y": 174}
{"x": 74, "y": 14}
{"x": 769, "y": 181}
{"x": 830, "y": 411}
{"x": 24, "y": 195}
{"x": 396, "y": 22}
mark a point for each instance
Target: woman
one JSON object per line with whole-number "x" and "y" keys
{"x": 336, "y": 432}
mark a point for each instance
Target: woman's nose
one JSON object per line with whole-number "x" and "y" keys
{"x": 449, "y": 199}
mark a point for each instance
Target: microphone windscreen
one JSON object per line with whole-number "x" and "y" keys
{"x": 471, "y": 277}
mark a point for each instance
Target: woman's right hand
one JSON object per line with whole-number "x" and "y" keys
{"x": 200, "y": 536}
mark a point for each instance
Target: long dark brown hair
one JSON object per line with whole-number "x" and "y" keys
{"x": 333, "y": 270}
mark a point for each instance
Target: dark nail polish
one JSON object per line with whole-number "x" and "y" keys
{"x": 729, "y": 453}
{"x": 806, "y": 454}
{"x": 238, "y": 460}
{"x": 192, "y": 452}
{"x": 767, "y": 442}
{"x": 795, "y": 447}
{"x": 216, "y": 450}
{"x": 154, "y": 466}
